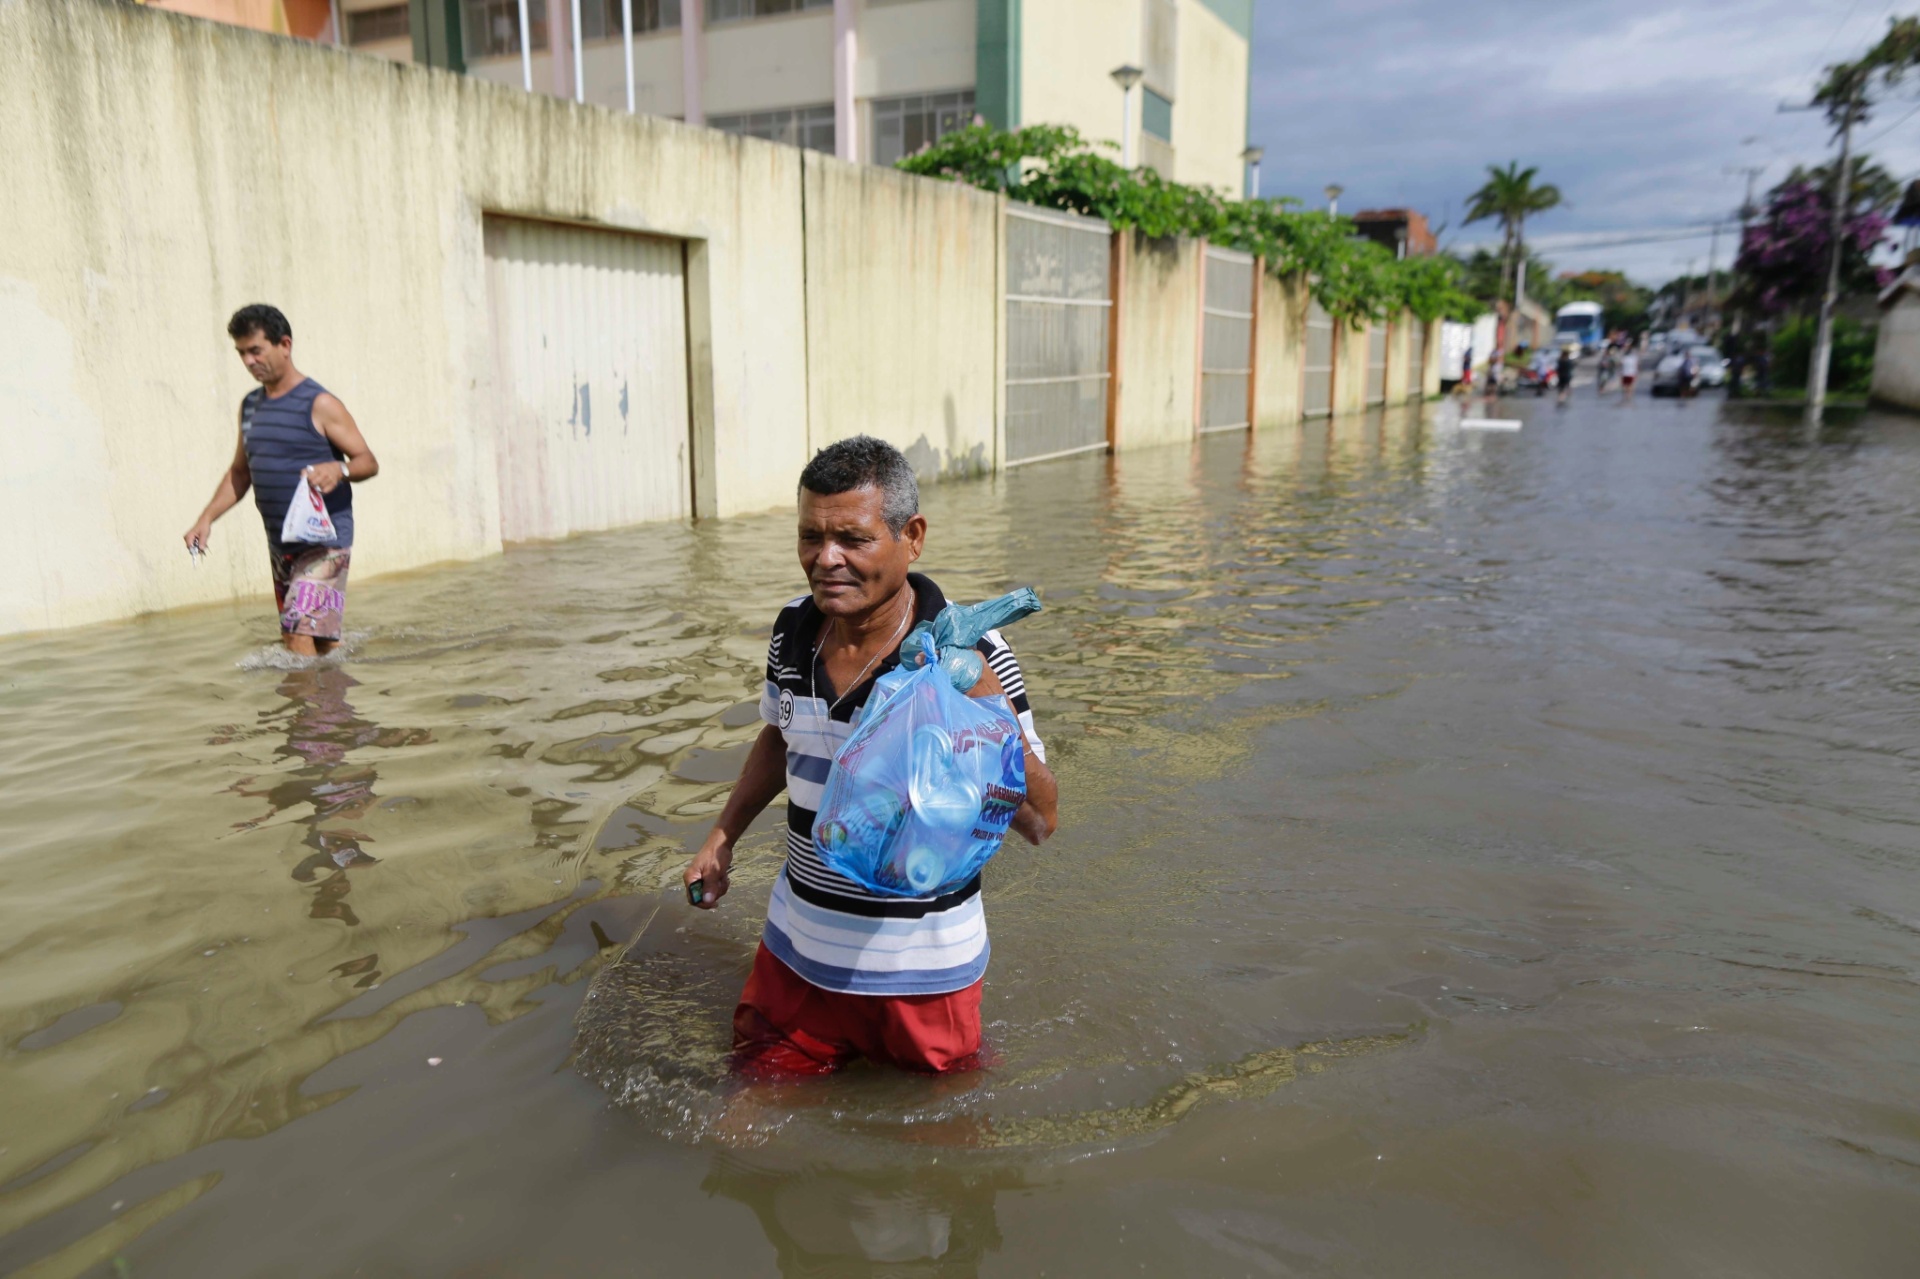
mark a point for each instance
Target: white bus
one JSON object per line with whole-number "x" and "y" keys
{"x": 1579, "y": 322}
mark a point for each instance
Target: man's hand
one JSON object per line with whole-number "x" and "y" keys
{"x": 198, "y": 537}
{"x": 710, "y": 865}
{"x": 325, "y": 477}
{"x": 763, "y": 776}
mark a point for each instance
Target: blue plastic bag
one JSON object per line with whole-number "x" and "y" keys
{"x": 921, "y": 795}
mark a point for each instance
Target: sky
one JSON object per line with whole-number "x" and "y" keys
{"x": 1634, "y": 111}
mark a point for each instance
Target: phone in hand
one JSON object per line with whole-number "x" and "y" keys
{"x": 696, "y": 892}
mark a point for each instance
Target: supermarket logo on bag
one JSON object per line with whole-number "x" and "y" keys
{"x": 966, "y": 739}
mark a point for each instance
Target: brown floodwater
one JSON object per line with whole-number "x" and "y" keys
{"x": 1482, "y": 854}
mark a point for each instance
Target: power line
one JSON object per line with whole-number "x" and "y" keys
{"x": 1610, "y": 239}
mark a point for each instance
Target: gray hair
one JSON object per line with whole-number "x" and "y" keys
{"x": 863, "y": 461}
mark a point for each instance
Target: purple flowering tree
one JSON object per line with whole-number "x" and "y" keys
{"x": 1783, "y": 256}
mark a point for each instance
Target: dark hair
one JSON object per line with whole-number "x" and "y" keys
{"x": 858, "y": 462}
{"x": 259, "y": 318}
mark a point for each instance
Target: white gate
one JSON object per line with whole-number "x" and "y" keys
{"x": 1059, "y": 307}
{"x": 1316, "y": 392}
{"x": 1376, "y": 362}
{"x": 1226, "y": 341}
{"x": 590, "y": 377}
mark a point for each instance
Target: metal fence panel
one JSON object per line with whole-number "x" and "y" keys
{"x": 1059, "y": 307}
{"x": 1377, "y": 363}
{"x": 1226, "y": 340}
{"x": 1316, "y": 397}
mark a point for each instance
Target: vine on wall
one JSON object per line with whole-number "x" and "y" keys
{"x": 1051, "y": 165}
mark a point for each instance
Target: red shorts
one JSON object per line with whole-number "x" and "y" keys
{"x": 785, "y": 1025}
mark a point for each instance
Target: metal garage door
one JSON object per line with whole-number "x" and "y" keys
{"x": 1226, "y": 340}
{"x": 590, "y": 377}
{"x": 1377, "y": 362}
{"x": 1059, "y": 304}
{"x": 1316, "y": 395}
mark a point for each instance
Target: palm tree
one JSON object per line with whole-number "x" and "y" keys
{"x": 1510, "y": 195}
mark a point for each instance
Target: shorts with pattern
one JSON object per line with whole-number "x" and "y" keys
{"x": 310, "y": 589}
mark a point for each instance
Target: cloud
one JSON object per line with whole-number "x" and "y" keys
{"x": 1635, "y": 113}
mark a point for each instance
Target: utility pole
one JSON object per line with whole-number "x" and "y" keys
{"x": 1823, "y": 336}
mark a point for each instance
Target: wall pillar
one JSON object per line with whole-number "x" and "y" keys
{"x": 693, "y": 61}
{"x": 846, "y": 52}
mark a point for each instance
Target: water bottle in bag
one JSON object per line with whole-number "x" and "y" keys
{"x": 921, "y": 795}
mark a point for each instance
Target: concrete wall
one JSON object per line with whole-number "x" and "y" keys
{"x": 162, "y": 171}
{"x": 1210, "y": 114}
{"x": 1896, "y": 352}
{"x": 1159, "y": 306}
{"x": 1070, "y": 48}
{"x": 903, "y": 299}
{"x": 1279, "y": 347}
{"x": 1399, "y": 353}
{"x": 764, "y": 63}
{"x": 1430, "y": 372}
{"x": 1349, "y": 367}
{"x": 915, "y": 46}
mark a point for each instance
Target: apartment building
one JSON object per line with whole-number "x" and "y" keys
{"x": 867, "y": 80}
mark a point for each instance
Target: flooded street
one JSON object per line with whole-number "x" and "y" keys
{"x": 1481, "y": 854}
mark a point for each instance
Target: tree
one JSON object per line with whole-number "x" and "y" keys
{"x": 1624, "y": 302}
{"x": 1510, "y": 197}
{"x": 1784, "y": 255}
{"x": 1872, "y": 186}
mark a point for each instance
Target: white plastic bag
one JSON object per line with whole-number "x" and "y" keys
{"x": 307, "y": 519}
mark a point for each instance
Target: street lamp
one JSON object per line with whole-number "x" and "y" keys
{"x": 1126, "y": 77}
{"x": 1252, "y": 155}
{"x": 1333, "y": 199}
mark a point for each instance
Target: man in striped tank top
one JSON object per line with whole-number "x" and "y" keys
{"x": 291, "y": 427}
{"x": 842, "y": 972}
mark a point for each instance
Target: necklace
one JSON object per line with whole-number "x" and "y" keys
{"x": 814, "y": 667}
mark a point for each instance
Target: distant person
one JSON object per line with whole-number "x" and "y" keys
{"x": 292, "y": 428}
{"x": 1563, "y": 372}
{"x": 1629, "y": 370}
{"x": 1689, "y": 374}
{"x": 1466, "y": 369}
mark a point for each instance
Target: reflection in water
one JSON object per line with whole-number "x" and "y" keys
{"x": 322, "y": 727}
{"x": 883, "y": 1220}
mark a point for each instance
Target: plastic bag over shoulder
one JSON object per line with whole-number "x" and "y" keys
{"x": 921, "y": 795}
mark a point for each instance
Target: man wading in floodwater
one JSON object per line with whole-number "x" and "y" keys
{"x": 842, "y": 972}
{"x": 291, "y": 427}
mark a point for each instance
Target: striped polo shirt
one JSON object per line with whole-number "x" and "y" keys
{"x": 834, "y": 933}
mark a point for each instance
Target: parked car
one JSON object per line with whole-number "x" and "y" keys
{"x": 1711, "y": 364}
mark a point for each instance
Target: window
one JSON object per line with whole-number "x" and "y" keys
{"x": 492, "y": 27}
{"x": 810, "y": 127}
{"x": 370, "y": 26}
{"x": 600, "y": 19}
{"x": 902, "y": 126}
{"x": 1156, "y": 116}
{"x": 719, "y": 11}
